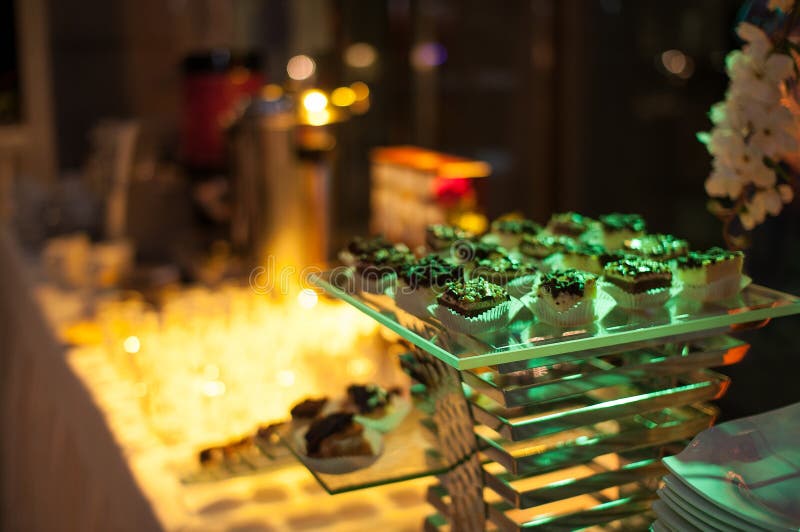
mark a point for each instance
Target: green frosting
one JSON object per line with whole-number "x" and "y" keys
{"x": 474, "y": 291}
{"x": 618, "y": 222}
{"x": 516, "y": 227}
{"x": 634, "y": 267}
{"x": 569, "y": 281}
{"x": 698, "y": 259}
{"x": 657, "y": 246}
{"x": 430, "y": 270}
{"x": 448, "y": 232}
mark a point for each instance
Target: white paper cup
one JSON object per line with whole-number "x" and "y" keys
{"x": 580, "y": 314}
{"x": 656, "y": 297}
{"x": 490, "y": 320}
{"x": 716, "y": 291}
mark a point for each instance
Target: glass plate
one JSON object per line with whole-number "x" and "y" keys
{"x": 749, "y": 467}
{"x": 691, "y": 511}
{"x": 600, "y": 473}
{"x": 570, "y": 514}
{"x": 409, "y": 451}
{"x": 605, "y": 404}
{"x": 525, "y": 338}
{"x": 546, "y": 383}
{"x": 578, "y": 445}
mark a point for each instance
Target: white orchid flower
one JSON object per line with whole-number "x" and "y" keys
{"x": 724, "y": 181}
{"x": 774, "y": 131}
{"x": 769, "y": 200}
{"x": 758, "y": 43}
{"x": 786, "y": 192}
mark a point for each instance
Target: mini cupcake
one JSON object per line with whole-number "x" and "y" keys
{"x": 377, "y": 271}
{"x": 569, "y": 224}
{"x": 377, "y": 408}
{"x": 478, "y": 250}
{"x": 590, "y": 258}
{"x": 617, "y": 228}
{"x": 509, "y": 231}
{"x": 637, "y": 283}
{"x": 423, "y": 280}
{"x": 441, "y": 237}
{"x": 540, "y": 247}
{"x": 359, "y": 246}
{"x": 515, "y": 276}
{"x": 565, "y": 298}
{"x": 473, "y": 306}
{"x": 657, "y": 247}
{"x": 711, "y": 275}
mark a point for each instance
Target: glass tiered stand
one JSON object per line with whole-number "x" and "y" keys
{"x": 542, "y": 428}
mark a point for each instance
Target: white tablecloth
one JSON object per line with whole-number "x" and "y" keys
{"x": 76, "y": 452}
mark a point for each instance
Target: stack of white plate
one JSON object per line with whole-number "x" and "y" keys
{"x": 740, "y": 475}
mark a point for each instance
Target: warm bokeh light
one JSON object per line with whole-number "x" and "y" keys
{"x": 360, "y": 368}
{"x": 315, "y": 101}
{"x": 131, "y": 345}
{"x": 286, "y": 378}
{"x": 473, "y": 222}
{"x": 319, "y": 118}
{"x": 272, "y": 92}
{"x": 361, "y": 90}
{"x": 307, "y": 298}
{"x": 343, "y": 97}
{"x": 300, "y": 67}
{"x": 360, "y": 55}
{"x": 213, "y": 388}
{"x": 428, "y": 55}
{"x": 677, "y": 63}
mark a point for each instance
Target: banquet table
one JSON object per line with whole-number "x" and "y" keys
{"x": 77, "y": 453}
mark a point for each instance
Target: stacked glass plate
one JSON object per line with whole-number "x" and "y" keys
{"x": 740, "y": 475}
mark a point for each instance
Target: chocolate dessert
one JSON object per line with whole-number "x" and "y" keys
{"x": 657, "y": 247}
{"x": 502, "y": 270}
{"x": 698, "y": 268}
{"x": 309, "y": 408}
{"x": 472, "y": 298}
{"x": 439, "y": 237}
{"x": 566, "y": 288}
{"x": 336, "y": 435}
{"x": 636, "y": 275}
{"x": 431, "y": 270}
{"x": 569, "y": 224}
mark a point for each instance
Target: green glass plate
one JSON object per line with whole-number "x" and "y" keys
{"x": 547, "y": 383}
{"x": 409, "y": 451}
{"x": 600, "y": 473}
{"x": 581, "y": 444}
{"x": 605, "y": 404}
{"x": 525, "y": 338}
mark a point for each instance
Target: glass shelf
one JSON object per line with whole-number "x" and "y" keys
{"x": 606, "y": 404}
{"x": 578, "y": 445}
{"x": 571, "y": 514}
{"x": 547, "y": 383}
{"x": 600, "y": 473}
{"x": 409, "y": 451}
{"x": 525, "y": 338}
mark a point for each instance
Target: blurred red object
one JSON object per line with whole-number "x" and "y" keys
{"x": 214, "y": 83}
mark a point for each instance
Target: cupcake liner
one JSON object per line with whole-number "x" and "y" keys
{"x": 716, "y": 291}
{"x": 579, "y": 314}
{"x": 376, "y": 285}
{"x": 340, "y": 464}
{"x": 648, "y": 299}
{"x": 394, "y": 414}
{"x": 414, "y": 300}
{"x": 490, "y": 320}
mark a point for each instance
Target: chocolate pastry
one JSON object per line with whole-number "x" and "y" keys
{"x": 309, "y": 408}
{"x": 657, "y": 247}
{"x": 370, "y": 398}
{"x": 516, "y": 227}
{"x": 336, "y": 435}
{"x": 542, "y": 246}
{"x": 698, "y": 268}
{"x": 472, "y": 298}
{"x": 636, "y": 275}
{"x": 431, "y": 270}
{"x": 439, "y": 237}
{"x": 566, "y": 288}
{"x": 502, "y": 270}
{"x": 569, "y": 224}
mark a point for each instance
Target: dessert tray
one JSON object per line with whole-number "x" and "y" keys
{"x": 527, "y": 339}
